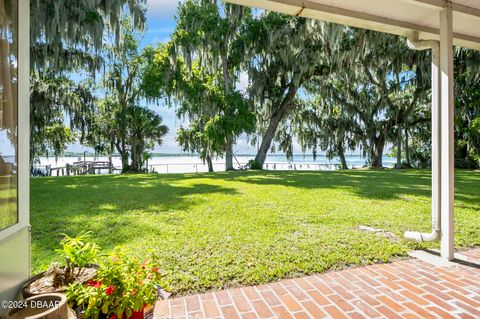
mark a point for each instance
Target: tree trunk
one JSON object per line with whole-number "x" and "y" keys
{"x": 267, "y": 140}
{"x": 123, "y": 156}
{"x": 136, "y": 159}
{"x": 278, "y": 115}
{"x": 399, "y": 148}
{"x": 407, "y": 150}
{"x": 376, "y": 154}
{"x": 229, "y": 139}
{"x": 133, "y": 164}
{"x": 209, "y": 163}
{"x": 341, "y": 154}
{"x": 229, "y": 154}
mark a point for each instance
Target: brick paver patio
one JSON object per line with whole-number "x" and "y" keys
{"x": 403, "y": 289}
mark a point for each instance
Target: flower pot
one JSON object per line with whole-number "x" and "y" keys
{"x": 139, "y": 314}
{"x": 136, "y": 315}
{"x": 45, "y": 306}
{"x": 27, "y": 292}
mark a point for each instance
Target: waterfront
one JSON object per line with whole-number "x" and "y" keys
{"x": 178, "y": 163}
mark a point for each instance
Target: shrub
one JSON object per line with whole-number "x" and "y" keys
{"x": 253, "y": 164}
{"x": 123, "y": 284}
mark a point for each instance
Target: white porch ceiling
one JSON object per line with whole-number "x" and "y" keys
{"x": 401, "y": 17}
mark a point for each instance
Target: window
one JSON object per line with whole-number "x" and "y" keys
{"x": 8, "y": 112}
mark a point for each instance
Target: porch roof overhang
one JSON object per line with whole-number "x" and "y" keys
{"x": 400, "y": 17}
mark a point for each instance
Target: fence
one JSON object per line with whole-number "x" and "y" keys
{"x": 166, "y": 168}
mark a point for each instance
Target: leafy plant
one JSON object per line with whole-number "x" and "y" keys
{"x": 78, "y": 252}
{"x": 255, "y": 165}
{"x": 123, "y": 285}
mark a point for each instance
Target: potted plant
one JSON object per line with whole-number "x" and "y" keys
{"x": 52, "y": 305}
{"x": 80, "y": 257}
{"x": 121, "y": 289}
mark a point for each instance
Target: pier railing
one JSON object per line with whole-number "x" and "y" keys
{"x": 76, "y": 168}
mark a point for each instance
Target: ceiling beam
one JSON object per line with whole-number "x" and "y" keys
{"x": 378, "y": 23}
{"x": 342, "y": 13}
{"x": 329, "y": 13}
{"x": 457, "y": 7}
{"x": 440, "y": 4}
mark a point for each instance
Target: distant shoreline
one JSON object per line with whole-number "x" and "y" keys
{"x": 191, "y": 163}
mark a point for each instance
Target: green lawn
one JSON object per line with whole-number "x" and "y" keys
{"x": 8, "y": 201}
{"x": 228, "y": 229}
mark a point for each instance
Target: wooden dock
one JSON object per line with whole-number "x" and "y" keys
{"x": 76, "y": 168}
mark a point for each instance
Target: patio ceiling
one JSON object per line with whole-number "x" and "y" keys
{"x": 400, "y": 17}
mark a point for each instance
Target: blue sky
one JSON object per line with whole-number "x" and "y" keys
{"x": 160, "y": 20}
{"x": 160, "y": 25}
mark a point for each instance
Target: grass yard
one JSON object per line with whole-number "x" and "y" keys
{"x": 241, "y": 228}
{"x": 8, "y": 201}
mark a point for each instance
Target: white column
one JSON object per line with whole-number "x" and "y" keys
{"x": 447, "y": 136}
{"x": 436, "y": 140}
{"x": 24, "y": 112}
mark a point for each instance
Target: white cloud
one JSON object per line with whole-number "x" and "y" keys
{"x": 162, "y": 8}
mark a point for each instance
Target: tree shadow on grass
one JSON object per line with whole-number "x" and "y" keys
{"x": 114, "y": 208}
{"x": 100, "y": 203}
{"x": 139, "y": 190}
{"x": 374, "y": 184}
{"x": 371, "y": 184}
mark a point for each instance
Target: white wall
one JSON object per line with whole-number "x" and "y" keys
{"x": 14, "y": 264}
{"x": 15, "y": 240}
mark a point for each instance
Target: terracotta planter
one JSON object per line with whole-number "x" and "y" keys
{"x": 135, "y": 315}
{"x": 26, "y": 293}
{"x": 46, "y": 306}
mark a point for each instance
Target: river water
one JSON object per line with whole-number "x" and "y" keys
{"x": 191, "y": 163}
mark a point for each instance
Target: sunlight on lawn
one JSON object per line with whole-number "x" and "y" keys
{"x": 242, "y": 228}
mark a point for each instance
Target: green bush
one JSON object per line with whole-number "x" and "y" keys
{"x": 253, "y": 164}
{"x": 77, "y": 251}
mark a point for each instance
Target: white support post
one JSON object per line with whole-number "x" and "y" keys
{"x": 447, "y": 136}
{"x": 436, "y": 142}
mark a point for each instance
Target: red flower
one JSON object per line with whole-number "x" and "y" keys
{"x": 155, "y": 269}
{"x": 134, "y": 292}
{"x": 114, "y": 316}
{"x": 109, "y": 290}
{"x": 95, "y": 284}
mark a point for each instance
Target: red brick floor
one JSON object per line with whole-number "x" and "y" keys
{"x": 403, "y": 289}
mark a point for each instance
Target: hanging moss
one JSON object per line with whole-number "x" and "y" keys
{"x": 68, "y": 37}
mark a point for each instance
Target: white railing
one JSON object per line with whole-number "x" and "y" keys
{"x": 81, "y": 168}
{"x": 166, "y": 168}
